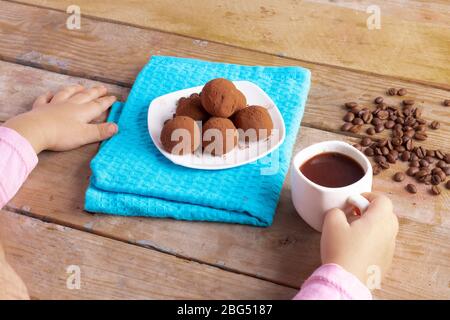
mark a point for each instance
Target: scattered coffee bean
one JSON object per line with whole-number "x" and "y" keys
{"x": 429, "y": 159}
{"x": 379, "y": 128}
{"x": 424, "y": 163}
{"x": 384, "y": 151}
{"x": 435, "y": 179}
{"x": 366, "y": 141}
{"x": 447, "y": 185}
{"x": 384, "y": 165}
{"x": 402, "y": 92}
{"x": 370, "y": 131}
{"x": 405, "y": 155}
{"x": 411, "y": 188}
{"x": 409, "y": 145}
{"x": 389, "y": 124}
{"x": 376, "y": 169}
{"x": 447, "y": 158}
{"x": 349, "y": 117}
{"x": 414, "y": 157}
{"x": 357, "y": 121}
{"x": 430, "y": 153}
{"x": 397, "y": 141}
{"x": 420, "y": 136}
{"x": 399, "y": 176}
{"x": 357, "y": 146}
{"x": 346, "y": 126}
{"x": 412, "y": 171}
{"x": 439, "y": 154}
{"x": 356, "y": 128}
{"x": 420, "y": 152}
{"x": 369, "y": 152}
{"x": 435, "y": 125}
{"x": 351, "y": 105}
{"x": 421, "y": 173}
{"x": 400, "y": 148}
{"x": 408, "y": 102}
{"x": 378, "y": 100}
{"x": 414, "y": 163}
{"x": 447, "y": 102}
{"x": 390, "y": 158}
{"x": 391, "y": 92}
{"x": 435, "y": 190}
{"x": 446, "y": 171}
{"x": 383, "y": 115}
{"x": 441, "y": 164}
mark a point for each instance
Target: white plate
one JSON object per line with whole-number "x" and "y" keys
{"x": 163, "y": 108}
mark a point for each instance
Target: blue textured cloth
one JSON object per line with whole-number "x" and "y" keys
{"x": 131, "y": 177}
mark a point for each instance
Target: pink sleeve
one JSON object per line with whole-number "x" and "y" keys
{"x": 332, "y": 282}
{"x": 17, "y": 159}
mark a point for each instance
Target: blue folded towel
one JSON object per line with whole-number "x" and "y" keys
{"x": 131, "y": 177}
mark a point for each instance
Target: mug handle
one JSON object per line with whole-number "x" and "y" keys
{"x": 359, "y": 202}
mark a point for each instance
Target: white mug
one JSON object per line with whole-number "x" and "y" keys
{"x": 312, "y": 200}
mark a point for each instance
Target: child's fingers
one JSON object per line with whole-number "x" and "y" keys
{"x": 380, "y": 208}
{"x": 335, "y": 219}
{"x": 67, "y": 92}
{"x": 99, "y": 132}
{"x": 42, "y": 100}
{"x": 90, "y": 94}
{"x": 95, "y": 108}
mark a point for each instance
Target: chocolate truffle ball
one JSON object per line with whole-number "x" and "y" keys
{"x": 219, "y": 136}
{"x": 220, "y": 98}
{"x": 180, "y": 135}
{"x": 254, "y": 117}
{"x": 192, "y": 107}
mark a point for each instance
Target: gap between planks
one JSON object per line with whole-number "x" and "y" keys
{"x": 48, "y": 219}
{"x": 110, "y": 81}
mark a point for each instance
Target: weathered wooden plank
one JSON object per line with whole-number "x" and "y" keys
{"x": 285, "y": 253}
{"x": 412, "y": 41}
{"x": 94, "y": 52}
{"x": 20, "y": 85}
{"x": 41, "y": 253}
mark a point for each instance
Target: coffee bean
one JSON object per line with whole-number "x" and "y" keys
{"x": 435, "y": 190}
{"x": 446, "y": 103}
{"x": 384, "y": 165}
{"x": 390, "y": 158}
{"x": 421, "y": 173}
{"x": 356, "y": 111}
{"x": 397, "y": 141}
{"x": 378, "y": 100}
{"x": 414, "y": 164}
{"x": 441, "y": 175}
{"x": 376, "y": 122}
{"x": 357, "y": 121}
{"x": 369, "y": 152}
{"x": 421, "y": 121}
{"x": 367, "y": 117}
{"x": 446, "y": 170}
{"x": 376, "y": 169}
{"x": 424, "y": 163}
{"x": 357, "y": 146}
{"x": 385, "y": 151}
{"x": 346, "y": 126}
{"x": 439, "y": 154}
{"x": 399, "y": 176}
{"x": 430, "y": 153}
{"x": 394, "y": 153}
{"x": 400, "y": 120}
{"x": 351, "y": 105}
{"x": 356, "y": 128}
{"x": 379, "y": 158}
{"x": 441, "y": 164}
{"x": 409, "y": 145}
{"x": 411, "y": 188}
{"x": 429, "y": 159}
{"x": 383, "y": 115}
{"x": 447, "y": 185}
{"x": 391, "y": 92}
{"x": 400, "y": 148}
{"x": 412, "y": 171}
{"x": 405, "y": 155}
{"x": 435, "y": 179}
{"x": 408, "y": 102}
{"x": 435, "y": 125}
{"x": 379, "y": 128}
{"x": 425, "y": 179}
{"x": 420, "y": 136}
{"x": 420, "y": 152}
{"x": 402, "y": 92}
{"x": 447, "y": 158}
{"x": 370, "y": 131}
{"x": 349, "y": 117}
{"x": 366, "y": 141}
{"x": 378, "y": 152}
{"x": 409, "y": 133}
{"x": 414, "y": 157}
{"x": 389, "y": 124}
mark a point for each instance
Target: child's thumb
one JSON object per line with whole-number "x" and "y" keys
{"x": 100, "y": 132}
{"x": 334, "y": 219}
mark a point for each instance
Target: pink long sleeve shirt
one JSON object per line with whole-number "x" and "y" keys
{"x": 18, "y": 159}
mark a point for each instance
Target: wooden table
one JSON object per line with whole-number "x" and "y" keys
{"x": 44, "y": 228}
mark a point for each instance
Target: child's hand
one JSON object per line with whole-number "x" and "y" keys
{"x": 367, "y": 241}
{"x": 62, "y": 121}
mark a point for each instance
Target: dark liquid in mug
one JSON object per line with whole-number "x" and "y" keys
{"x": 332, "y": 170}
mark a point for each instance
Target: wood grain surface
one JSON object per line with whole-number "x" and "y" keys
{"x": 41, "y": 252}
{"x": 262, "y": 259}
{"x": 412, "y": 42}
